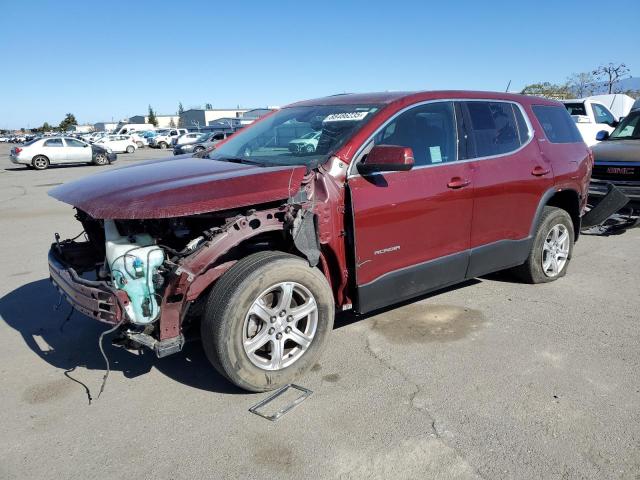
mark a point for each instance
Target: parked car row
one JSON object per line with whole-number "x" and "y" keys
{"x": 16, "y": 138}
{"x": 203, "y": 142}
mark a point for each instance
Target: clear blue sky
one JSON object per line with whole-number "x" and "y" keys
{"x": 103, "y": 60}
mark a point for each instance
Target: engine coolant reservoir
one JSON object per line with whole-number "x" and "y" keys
{"x": 132, "y": 261}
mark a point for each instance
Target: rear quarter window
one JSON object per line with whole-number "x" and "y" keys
{"x": 557, "y": 124}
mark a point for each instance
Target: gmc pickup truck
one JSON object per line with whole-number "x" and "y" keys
{"x": 259, "y": 245}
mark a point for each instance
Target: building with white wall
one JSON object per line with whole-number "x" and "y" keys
{"x": 164, "y": 121}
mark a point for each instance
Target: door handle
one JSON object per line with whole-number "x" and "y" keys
{"x": 457, "y": 182}
{"x": 539, "y": 171}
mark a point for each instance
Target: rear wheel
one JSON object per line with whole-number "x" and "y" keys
{"x": 131, "y": 149}
{"x": 163, "y": 145}
{"x": 267, "y": 320}
{"x": 40, "y": 162}
{"x": 198, "y": 149}
{"x": 551, "y": 249}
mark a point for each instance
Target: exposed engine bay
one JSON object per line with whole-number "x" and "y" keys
{"x": 154, "y": 271}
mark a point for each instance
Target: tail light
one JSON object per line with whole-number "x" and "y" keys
{"x": 18, "y": 150}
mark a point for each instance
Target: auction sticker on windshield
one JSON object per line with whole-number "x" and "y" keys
{"x": 346, "y": 117}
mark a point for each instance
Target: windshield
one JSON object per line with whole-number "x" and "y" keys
{"x": 629, "y": 128}
{"x": 271, "y": 141}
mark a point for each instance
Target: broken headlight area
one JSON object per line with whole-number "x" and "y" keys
{"x": 119, "y": 272}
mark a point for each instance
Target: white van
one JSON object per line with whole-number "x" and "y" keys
{"x": 129, "y": 128}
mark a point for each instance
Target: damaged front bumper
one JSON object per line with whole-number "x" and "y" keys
{"x": 96, "y": 299}
{"x": 100, "y": 301}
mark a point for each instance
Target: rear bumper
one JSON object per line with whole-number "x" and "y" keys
{"x": 95, "y": 299}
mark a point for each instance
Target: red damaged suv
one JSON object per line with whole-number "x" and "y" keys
{"x": 395, "y": 195}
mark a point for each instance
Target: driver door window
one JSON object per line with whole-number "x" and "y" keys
{"x": 429, "y": 130}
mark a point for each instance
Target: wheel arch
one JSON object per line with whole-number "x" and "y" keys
{"x": 566, "y": 199}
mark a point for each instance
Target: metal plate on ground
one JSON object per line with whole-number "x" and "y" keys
{"x": 260, "y": 407}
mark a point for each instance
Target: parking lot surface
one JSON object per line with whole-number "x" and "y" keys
{"x": 491, "y": 379}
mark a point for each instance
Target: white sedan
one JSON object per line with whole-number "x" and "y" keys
{"x": 305, "y": 144}
{"x": 117, "y": 143}
{"x": 42, "y": 152}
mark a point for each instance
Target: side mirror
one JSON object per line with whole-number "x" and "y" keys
{"x": 387, "y": 158}
{"x": 602, "y": 135}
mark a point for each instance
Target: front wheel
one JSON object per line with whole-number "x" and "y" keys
{"x": 267, "y": 320}
{"x": 551, "y": 249}
{"x": 163, "y": 145}
{"x": 100, "y": 159}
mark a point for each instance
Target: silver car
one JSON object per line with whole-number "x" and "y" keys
{"x": 42, "y": 152}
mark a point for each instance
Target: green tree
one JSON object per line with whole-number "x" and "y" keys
{"x": 208, "y": 106}
{"x": 68, "y": 122}
{"x": 180, "y": 116}
{"x": 45, "y": 127}
{"x": 610, "y": 74}
{"x": 548, "y": 90}
{"x": 152, "y": 117}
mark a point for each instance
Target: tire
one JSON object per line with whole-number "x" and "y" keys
{"x": 131, "y": 149}
{"x": 100, "y": 159}
{"x": 227, "y": 325}
{"x": 140, "y": 144}
{"x": 309, "y": 148}
{"x": 162, "y": 145}
{"x": 40, "y": 162}
{"x": 198, "y": 149}
{"x": 547, "y": 261}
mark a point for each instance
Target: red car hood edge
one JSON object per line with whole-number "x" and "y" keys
{"x": 180, "y": 187}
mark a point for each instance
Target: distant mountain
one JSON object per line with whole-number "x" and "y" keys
{"x": 632, "y": 83}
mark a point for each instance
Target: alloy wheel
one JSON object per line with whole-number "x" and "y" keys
{"x": 555, "y": 250}
{"x": 280, "y": 326}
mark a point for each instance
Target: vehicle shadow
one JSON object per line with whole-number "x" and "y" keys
{"x": 30, "y": 310}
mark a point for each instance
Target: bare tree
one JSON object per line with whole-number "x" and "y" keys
{"x": 581, "y": 83}
{"x": 611, "y": 73}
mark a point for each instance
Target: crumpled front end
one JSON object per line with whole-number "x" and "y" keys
{"x": 96, "y": 299}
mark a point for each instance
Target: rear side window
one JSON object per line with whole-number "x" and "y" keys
{"x": 53, "y": 142}
{"x": 494, "y": 128}
{"x": 557, "y": 124}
